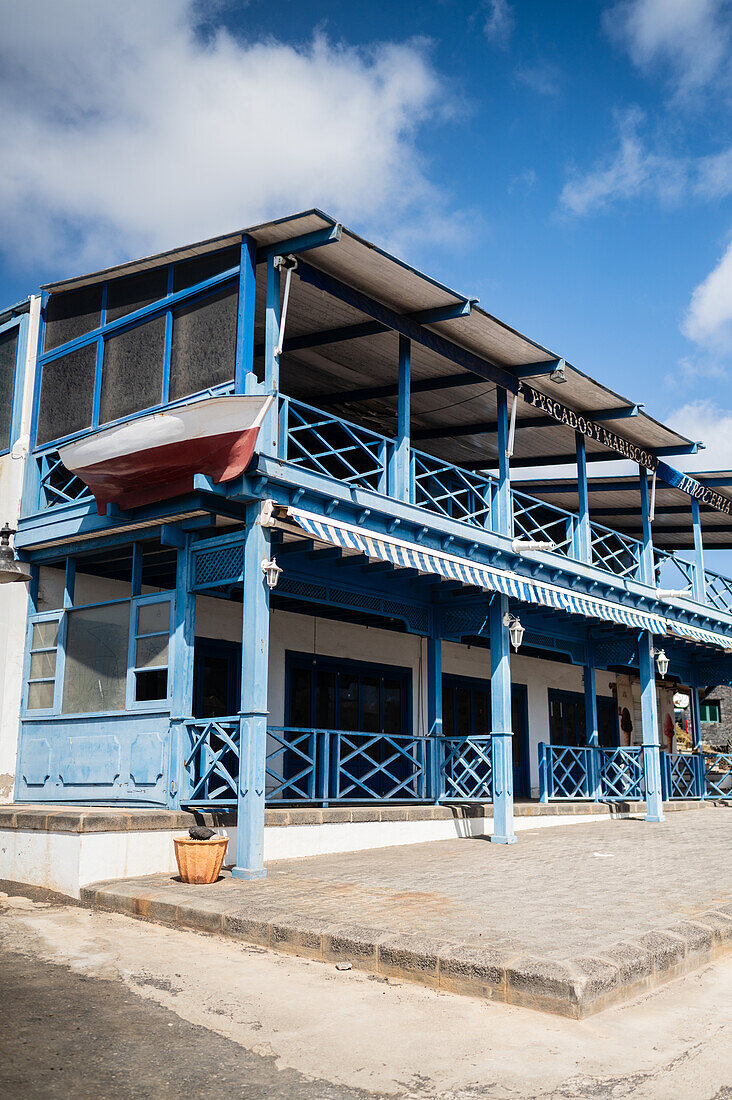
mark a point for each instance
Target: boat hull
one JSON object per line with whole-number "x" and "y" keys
{"x": 157, "y": 457}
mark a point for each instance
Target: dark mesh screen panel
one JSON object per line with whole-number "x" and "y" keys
{"x": 135, "y": 291}
{"x": 67, "y": 394}
{"x": 204, "y": 344}
{"x": 189, "y": 272}
{"x": 132, "y": 377}
{"x": 72, "y": 314}
{"x": 8, "y": 349}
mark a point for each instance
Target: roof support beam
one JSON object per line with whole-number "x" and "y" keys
{"x": 404, "y": 325}
{"x": 530, "y": 370}
{"x": 422, "y": 385}
{"x": 372, "y": 328}
{"x": 329, "y": 235}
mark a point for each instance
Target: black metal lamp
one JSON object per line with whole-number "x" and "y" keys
{"x": 10, "y": 568}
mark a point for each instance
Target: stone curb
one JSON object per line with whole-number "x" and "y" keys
{"x": 574, "y": 988}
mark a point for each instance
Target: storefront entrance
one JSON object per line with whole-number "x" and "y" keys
{"x": 466, "y": 710}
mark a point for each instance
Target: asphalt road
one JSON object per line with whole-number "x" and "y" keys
{"x": 68, "y": 1035}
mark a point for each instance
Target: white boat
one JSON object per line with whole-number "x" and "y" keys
{"x": 156, "y": 457}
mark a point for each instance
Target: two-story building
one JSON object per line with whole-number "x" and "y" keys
{"x": 282, "y": 553}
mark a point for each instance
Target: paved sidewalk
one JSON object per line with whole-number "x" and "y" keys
{"x": 568, "y": 920}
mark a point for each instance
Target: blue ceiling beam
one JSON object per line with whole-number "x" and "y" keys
{"x": 372, "y": 328}
{"x": 530, "y": 370}
{"x": 489, "y": 427}
{"x": 623, "y": 412}
{"x": 329, "y": 235}
{"x": 423, "y": 385}
{"x": 411, "y": 329}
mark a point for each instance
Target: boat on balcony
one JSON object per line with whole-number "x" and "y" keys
{"x": 156, "y": 457}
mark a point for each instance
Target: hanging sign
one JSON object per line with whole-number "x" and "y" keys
{"x": 607, "y": 438}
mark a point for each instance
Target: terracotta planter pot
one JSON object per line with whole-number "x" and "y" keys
{"x": 199, "y": 861}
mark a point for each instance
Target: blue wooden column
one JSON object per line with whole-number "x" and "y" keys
{"x": 502, "y": 511}
{"x": 591, "y": 723}
{"x": 272, "y": 317}
{"x": 695, "y": 709}
{"x": 649, "y": 723}
{"x": 699, "y": 580}
{"x": 402, "y": 449}
{"x": 501, "y": 733}
{"x": 647, "y": 569}
{"x": 583, "y": 535}
{"x": 181, "y": 706}
{"x": 253, "y": 717}
{"x": 434, "y": 706}
{"x": 245, "y": 380}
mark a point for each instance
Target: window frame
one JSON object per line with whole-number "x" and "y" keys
{"x": 131, "y": 702}
{"x": 315, "y": 662}
{"x": 711, "y": 703}
{"x": 45, "y": 617}
{"x": 165, "y": 306}
{"x": 16, "y": 390}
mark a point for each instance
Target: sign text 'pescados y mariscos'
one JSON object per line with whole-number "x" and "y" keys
{"x": 600, "y": 434}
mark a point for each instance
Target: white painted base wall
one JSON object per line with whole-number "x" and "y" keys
{"x": 65, "y": 862}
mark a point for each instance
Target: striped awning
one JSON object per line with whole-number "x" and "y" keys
{"x": 699, "y": 634}
{"x": 408, "y": 555}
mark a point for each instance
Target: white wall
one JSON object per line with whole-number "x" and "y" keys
{"x": 14, "y": 597}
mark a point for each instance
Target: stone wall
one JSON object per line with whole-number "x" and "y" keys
{"x": 719, "y": 734}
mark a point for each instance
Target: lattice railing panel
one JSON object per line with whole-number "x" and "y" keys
{"x": 292, "y": 756}
{"x": 328, "y": 445}
{"x": 622, "y": 773}
{"x": 378, "y": 766}
{"x": 541, "y": 522}
{"x": 450, "y": 491}
{"x": 614, "y": 552}
{"x": 212, "y": 761}
{"x": 672, "y": 571}
{"x": 57, "y": 485}
{"x": 719, "y": 590}
{"x": 466, "y": 768}
{"x": 682, "y": 775}
{"x": 569, "y": 771}
{"x": 718, "y": 775}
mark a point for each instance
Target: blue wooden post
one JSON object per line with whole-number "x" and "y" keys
{"x": 544, "y": 764}
{"x": 253, "y": 718}
{"x": 649, "y": 722}
{"x": 245, "y": 380}
{"x": 591, "y": 725}
{"x": 695, "y": 716}
{"x": 402, "y": 459}
{"x": 434, "y": 708}
{"x": 647, "y": 569}
{"x": 502, "y": 512}
{"x": 583, "y": 546}
{"x": 181, "y": 665}
{"x": 501, "y": 733}
{"x": 699, "y": 580}
{"x": 272, "y": 317}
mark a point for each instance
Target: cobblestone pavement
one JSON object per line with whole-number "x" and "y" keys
{"x": 561, "y": 893}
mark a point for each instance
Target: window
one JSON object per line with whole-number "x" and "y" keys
{"x": 204, "y": 344}
{"x": 567, "y": 720}
{"x": 710, "y": 710}
{"x": 189, "y": 272}
{"x": 95, "y": 671}
{"x": 72, "y": 314}
{"x": 67, "y": 394}
{"x": 134, "y": 292}
{"x": 329, "y": 693}
{"x": 150, "y": 648}
{"x": 42, "y": 669}
{"x": 132, "y": 376}
{"x": 8, "y": 353}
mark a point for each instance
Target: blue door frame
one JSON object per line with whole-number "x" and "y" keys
{"x": 478, "y": 724}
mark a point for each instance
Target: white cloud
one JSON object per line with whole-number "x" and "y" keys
{"x": 689, "y": 40}
{"x": 709, "y": 318}
{"x": 124, "y": 129}
{"x": 498, "y": 23}
{"x": 714, "y": 175}
{"x": 542, "y": 77}
{"x": 707, "y": 421}
{"x": 633, "y": 170}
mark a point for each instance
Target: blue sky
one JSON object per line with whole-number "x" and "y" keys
{"x": 569, "y": 163}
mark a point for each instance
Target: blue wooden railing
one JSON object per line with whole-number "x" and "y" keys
{"x": 325, "y": 765}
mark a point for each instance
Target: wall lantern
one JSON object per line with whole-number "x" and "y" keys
{"x": 515, "y": 629}
{"x": 661, "y": 661}
{"x": 558, "y": 374}
{"x": 271, "y": 572}
{"x": 10, "y": 568}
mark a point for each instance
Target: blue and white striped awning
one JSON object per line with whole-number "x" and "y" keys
{"x": 408, "y": 555}
{"x": 699, "y": 634}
